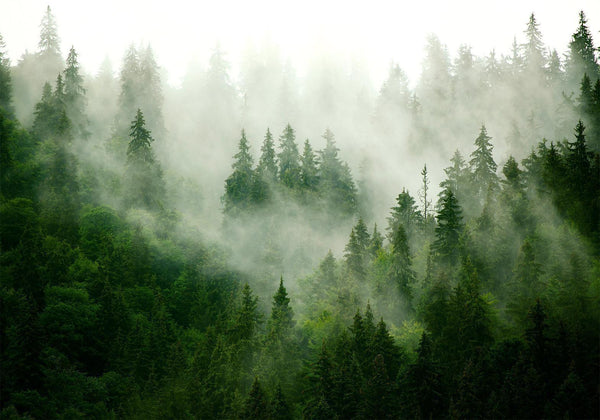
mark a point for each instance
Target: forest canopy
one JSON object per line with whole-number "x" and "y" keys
{"x": 265, "y": 246}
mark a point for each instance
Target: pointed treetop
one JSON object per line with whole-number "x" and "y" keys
{"x": 49, "y": 40}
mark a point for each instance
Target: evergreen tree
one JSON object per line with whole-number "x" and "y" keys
{"x": 401, "y": 273}
{"x": 5, "y": 80}
{"x": 257, "y": 404}
{"x": 267, "y": 166}
{"x": 247, "y": 318}
{"x": 354, "y": 255}
{"x": 308, "y": 170}
{"x": 456, "y": 176}
{"x": 289, "y": 159}
{"x": 534, "y": 47}
{"x": 281, "y": 320}
{"x": 129, "y": 78}
{"x": 49, "y": 43}
{"x": 151, "y": 97}
{"x": 280, "y": 409}
{"x": 376, "y": 242}
{"x": 140, "y": 148}
{"x": 239, "y": 185}
{"x": 405, "y": 214}
{"x": 75, "y": 95}
{"x": 581, "y": 57}
{"x": 483, "y": 167}
{"x": 335, "y": 180}
{"x": 449, "y": 228}
{"x": 424, "y": 194}
{"x": 144, "y": 181}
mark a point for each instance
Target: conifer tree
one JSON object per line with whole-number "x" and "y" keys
{"x": 449, "y": 228}
{"x": 267, "y": 166}
{"x": 457, "y": 176}
{"x": 247, "y": 317}
{"x": 425, "y": 192}
{"x": 376, "y": 242}
{"x": 405, "y": 213}
{"x": 401, "y": 273}
{"x": 354, "y": 254}
{"x": 75, "y": 95}
{"x": 49, "y": 43}
{"x": 581, "y": 55}
{"x": 483, "y": 167}
{"x": 281, "y": 320}
{"x": 534, "y": 47}
{"x": 140, "y": 147}
{"x": 257, "y": 404}
{"x": 308, "y": 169}
{"x": 5, "y": 80}
{"x": 239, "y": 185}
{"x": 289, "y": 158}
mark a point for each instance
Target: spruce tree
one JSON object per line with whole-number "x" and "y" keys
{"x": 406, "y": 213}
{"x": 257, "y": 404}
{"x": 534, "y": 47}
{"x": 581, "y": 55}
{"x": 49, "y": 43}
{"x": 5, "y": 80}
{"x": 140, "y": 147}
{"x": 401, "y": 273}
{"x": 308, "y": 170}
{"x": 75, "y": 95}
{"x": 281, "y": 320}
{"x": 239, "y": 185}
{"x": 267, "y": 165}
{"x": 449, "y": 228}
{"x": 289, "y": 158}
{"x": 482, "y": 165}
{"x": 424, "y": 193}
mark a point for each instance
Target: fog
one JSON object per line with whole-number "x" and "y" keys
{"x": 399, "y": 89}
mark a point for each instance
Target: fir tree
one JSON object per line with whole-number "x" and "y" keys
{"x": 257, "y": 404}
{"x": 49, "y": 43}
{"x": 308, "y": 169}
{"x": 5, "y": 80}
{"x": 401, "y": 273}
{"x": 483, "y": 167}
{"x": 405, "y": 214}
{"x": 75, "y": 94}
{"x": 376, "y": 242}
{"x": 281, "y": 320}
{"x": 140, "y": 147}
{"x": 289, "y": 158}
{"x": 424, "y": 193}
{"x": 449, "y": 228}
{"x": 267, "y": 166}
{"x": 534, "y": 47}
{"x": 239, "y": 185}
{"x": 581, "y": 56}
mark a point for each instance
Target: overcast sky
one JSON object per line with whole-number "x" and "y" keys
{"x": 379, "y": 31}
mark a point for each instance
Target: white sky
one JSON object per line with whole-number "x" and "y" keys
{"x": 379, "y": 31}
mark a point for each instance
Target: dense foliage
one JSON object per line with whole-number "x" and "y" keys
{"x": 112, "y": 306}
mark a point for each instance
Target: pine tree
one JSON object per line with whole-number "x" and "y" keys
{"x": 424, "y": 192}
{"x": 534, "y": 47}
{"x": 239, "y": 185}
{"x": 335, "y": 180}
{"x": 257, "y": 404}
{"x": 5, "y": 80}
{"x": 483, "y": 167}
{"x": 401, "y": 273}
{"x": 144, "y": 181}
{"x": 456, "y": 176}
{"x": 581, "y": 56}
{"x": 308, "y": 170}
{"x": 140, "y": 148}
{"x": 267, "y": 166}
{"x": 289, "y": 158}
{"x": 449, "y": 228}
{"x": 405, "y": 214}
{"x": 354, "y": 255}
{"x": 75, "y": 95}
{"x": 281, "y": 320}
{"x": 376, "y": 242}
{"x": 49, "y": 43}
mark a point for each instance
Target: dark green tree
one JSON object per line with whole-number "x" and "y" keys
{"x": 581, "y": 58}
{"x": 5, "y": 80}
{"x": 267, "y": 165}
{"x": 239, "y": 185}
{"x": 401, "y": 272}
{"x": 281, "y": 320}
{"x": 257, "y": 404}
{"x": 75, "y": 95}
{"x": 308, "y": 170}
{"x": 289, "y": 158}
{"x": 482, "y": 165}
{"x": 449, "y": 228}
{"x": 405, "y": 213}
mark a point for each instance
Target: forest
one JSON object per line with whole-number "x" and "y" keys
{"x": 272, "y": 245}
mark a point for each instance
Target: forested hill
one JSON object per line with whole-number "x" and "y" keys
{"x": 124, "y": 294}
